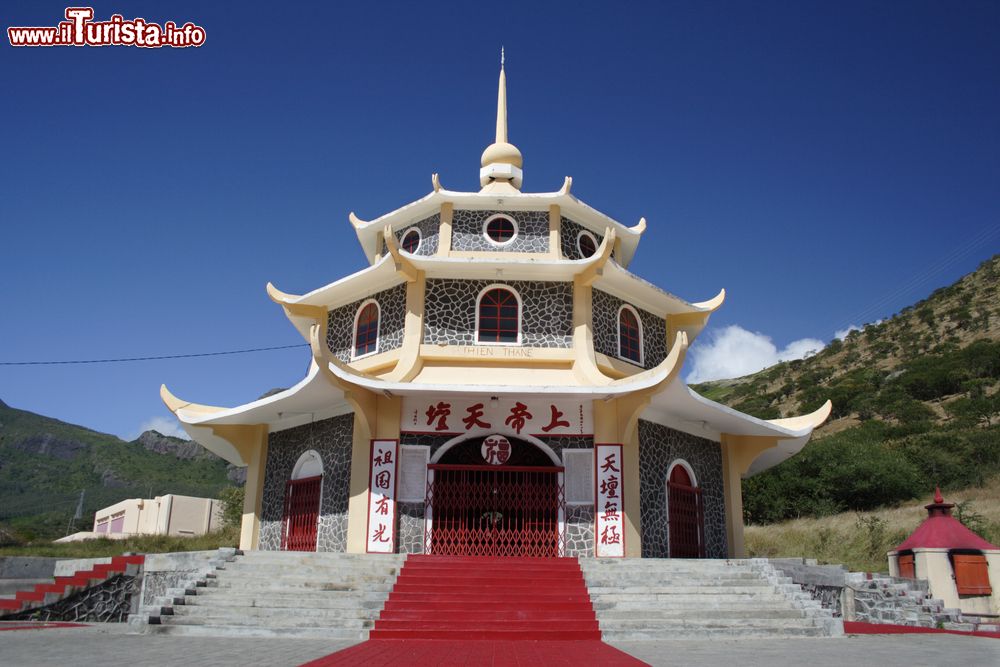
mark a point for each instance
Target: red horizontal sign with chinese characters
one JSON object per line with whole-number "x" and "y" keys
{"x": 522, "y": 416}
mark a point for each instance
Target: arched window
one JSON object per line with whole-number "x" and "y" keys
{"x": 586, "y": 243}
{"x": 498, "y": 317}
{"x": 366, "y": 330}
{"x": 411, "y": 241}
{"x": 629, "y": 335}
{"x": 500, "y": 230}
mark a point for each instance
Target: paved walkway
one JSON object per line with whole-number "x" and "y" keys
{"x": 109, "y": 646}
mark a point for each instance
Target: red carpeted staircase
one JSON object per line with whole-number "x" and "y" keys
{"x": 480, "y": 598}
{"x": 43, "y": 594}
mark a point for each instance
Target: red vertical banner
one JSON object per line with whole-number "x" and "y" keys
{"x": 382, "y": 497}
{"x": 609, "y": 524}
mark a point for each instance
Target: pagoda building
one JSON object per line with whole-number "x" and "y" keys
{"x": 496, "y": 382}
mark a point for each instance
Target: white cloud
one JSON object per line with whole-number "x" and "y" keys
{"x": 165, "y": 425}
{"x": 734, "y": 352}
{"x": 844, "y": 333}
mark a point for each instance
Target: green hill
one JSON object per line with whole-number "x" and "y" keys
{"x": 916, "y": 404}
{"x": 45, "y": 463}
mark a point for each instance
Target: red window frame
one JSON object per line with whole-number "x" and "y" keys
{"x": 499, "y": 317}
{"x": 587, "y": 245}
{"x": 366, "y": 330}
{"x": 411, "y": 241}
{"x": 501, "y": 230}
{"x": 629, "y": 336}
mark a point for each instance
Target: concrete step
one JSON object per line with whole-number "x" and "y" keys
{"x": 331, "y": 614}
{"x": 666, "y": 624}
{"x": 332, "y": 634}
{"x": 613, "y": 615}
{"x": 654, "y": 588}
{"x": 711, "y": 632}
{"x": 296, "y": 584}
{"x": 287, "y": 602}
{"x": 300, "y": 621}
{"x": 660, "y": 600}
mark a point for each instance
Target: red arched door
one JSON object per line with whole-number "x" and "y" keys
{"x": 686, "y": 515}
{"x": 301, "y": 514}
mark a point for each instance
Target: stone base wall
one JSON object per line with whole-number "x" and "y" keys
{"x": 332, "y": 440}
{"x": 659, "y": 447}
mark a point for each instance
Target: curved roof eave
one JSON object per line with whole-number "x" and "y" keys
{"x": 569, "y": 205}
{"x": 692, "y": 413}
{"x": 310, "y": 399}
{"x": 626, "y": 285}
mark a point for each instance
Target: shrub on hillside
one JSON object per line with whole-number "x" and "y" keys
{"x": 232, "y": 506}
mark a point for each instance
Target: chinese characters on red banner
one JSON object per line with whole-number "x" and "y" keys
{"x": 610, "y": 528}
{"x": 382, "y": 498}
{"x": 539, "y": 417}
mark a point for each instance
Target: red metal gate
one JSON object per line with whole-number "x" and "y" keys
{"x": 494, "y": 510}
{"x": 687, "y": 519}
{"x": 301, "y": 514}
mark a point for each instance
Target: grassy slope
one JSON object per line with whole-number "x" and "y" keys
{"x": 38, "y": 492}
{"x": 142, "y": 544}
{"x": 861, "y": 540}
{"x": 916, "y": 404}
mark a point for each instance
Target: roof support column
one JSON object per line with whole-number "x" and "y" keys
{"x": 250, "y": 441}
{"x": 738, "y": 453}
{"x": 444, "y": 234}
{"x": 380, "y": 421}
{"x": 608, "y": 428}
{"x": 555, "y": 223}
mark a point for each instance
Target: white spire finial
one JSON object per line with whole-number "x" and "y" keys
{"x": 501, "y": 56}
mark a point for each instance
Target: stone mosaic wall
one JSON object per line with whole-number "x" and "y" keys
{"x": 532, "y": 231}
{"x": 568, "y": 232}
{"x": 392, "y": 317}
{"x": 660, "y": 446}
{"x": 429, "y": 229}
{"x": 410, "y": 528}
{"x": 332, "y": 439}
{"x": 109, "y": 602}
{"x": 546, "y": 317}
{"x": 654, "y": 329}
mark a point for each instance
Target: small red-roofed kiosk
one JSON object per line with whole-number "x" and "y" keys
{"x": 956, "y": 562}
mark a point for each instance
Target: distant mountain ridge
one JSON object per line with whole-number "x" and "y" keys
{"x": 45, "y": 463}
{"x": 916, "y": 403}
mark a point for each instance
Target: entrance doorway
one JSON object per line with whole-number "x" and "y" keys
{"x": 685, "y": 514}
{"x": 301, "y": 514}
{"x": 495, "y": 496}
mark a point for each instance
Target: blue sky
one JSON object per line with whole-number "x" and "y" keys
{"x": 826, "y": 163}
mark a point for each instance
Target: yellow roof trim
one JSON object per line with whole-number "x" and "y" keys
{"x": 810, "y": 421}
{"x": 174, "y": 404}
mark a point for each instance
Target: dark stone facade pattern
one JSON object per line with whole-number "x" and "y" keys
{"x": 392, "y": 318}
{"x": 579, "y": 518}
{"x": 654, "y": 329}
{"x": 568, "y": 231}
{"x": 580, "y": 530}
{"x": 111, "y": 601}
{"x": 660, "y": 446}
{"x": 429, "y": 229}
{"x": 410, "y": 528}
{"x": 532, "y": 231}
{"x": 546, "y": 317}
{"x": 332, "y": 439}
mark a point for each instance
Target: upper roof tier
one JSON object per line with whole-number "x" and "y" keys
{"x": 501, "y": 176}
